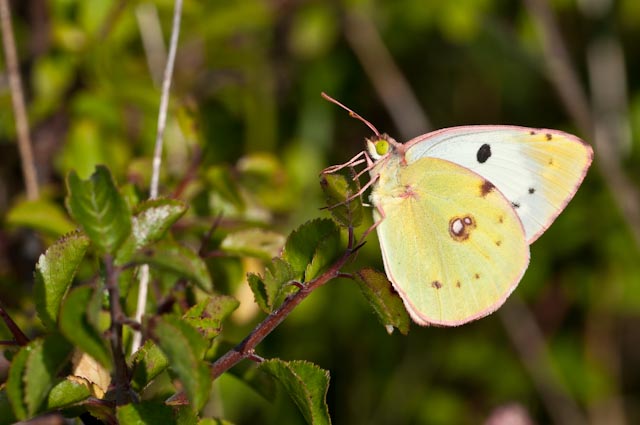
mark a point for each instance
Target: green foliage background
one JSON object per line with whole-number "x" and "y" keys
{"x": 246, "y": 94}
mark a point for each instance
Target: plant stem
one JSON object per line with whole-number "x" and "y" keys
{"x": 115, "y": 331}
{"x": 245, "y": 349}
{"x": 260, "y": 332}
{"x": 17, "y": 97}
{"x": 19, "y": 336}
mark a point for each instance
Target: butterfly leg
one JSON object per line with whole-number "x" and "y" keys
{"x": 352, "y": 162}
{"x": 374, "y": 225}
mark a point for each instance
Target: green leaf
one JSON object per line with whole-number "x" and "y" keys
{"x": 208, "y": 314}
{"x": 185, "y": 348}
{"x": 146, "y": 412}
{"x": 6, "y": 412}
{"x": 41, "y": 215}
{"x": 258, "y": 379}
{"x": 99, "y": 208}
{"x": 385, "y": 301}
{"x": 15, "y": 385}
{"x": 33, "y": 372}
{"x": 306, "y": 384}
{"x": 312, "y": 247}
{"x": 185, "y": 415}
{"x": 214, "y": 421}
{"x": 270, "y": 291}
{"x": 171, "y": 256}
{"x": 67, "y": 392}
{"x": 54, "y": 273}
{"x": 222, "y": 182}
{"x": 253, "y": 242}
{"x": 337, "y": 188}
{"x": 148, "y": 362}
{"x": 46, "y": 358}
{"x": 327, "y": 251}
{"x": 150, "y": 222}
{"x": 76, "y": 326}
{"x": 265, "y": 177}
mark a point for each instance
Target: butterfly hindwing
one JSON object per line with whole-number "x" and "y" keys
{"x": 537, "y": 170}
{"x": 452, "y": 245}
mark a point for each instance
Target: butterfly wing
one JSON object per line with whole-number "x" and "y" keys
{"x": 537, "y": 170}
{"x": 452, "y": 245}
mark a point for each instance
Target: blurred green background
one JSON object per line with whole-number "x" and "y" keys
{"x": 246, "y": 98}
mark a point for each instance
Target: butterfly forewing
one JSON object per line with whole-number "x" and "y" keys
{"x": 452, "y": 245}
{"x": 537, "y": 170}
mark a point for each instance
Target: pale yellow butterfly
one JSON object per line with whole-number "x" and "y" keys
{"x": 456, "y": 210}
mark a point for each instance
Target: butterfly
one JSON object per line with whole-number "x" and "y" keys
{"x": 456, "y": 209}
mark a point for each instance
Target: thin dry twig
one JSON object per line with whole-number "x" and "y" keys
{"x": 164, "y": 99}
{"x": 19, "y": 109}
{"x": 387, "y": 79}
{"x": 157, "y": 159}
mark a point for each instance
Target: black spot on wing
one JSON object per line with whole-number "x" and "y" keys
{"x": 548, "y": 136}
{"x": 436, "y": 284}
{"x": 515, "y": 205}
{"x": 532, "y": 191}
{"x": 483, "y": 153}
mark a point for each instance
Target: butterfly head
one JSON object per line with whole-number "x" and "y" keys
{"x": 380, "y": 146}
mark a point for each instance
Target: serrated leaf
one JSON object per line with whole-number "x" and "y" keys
{"x": 385, "y": 301}
{"x": 102, "y": 212}
{"x": 306, "y": 384}
{"x": 337, "y": 188}
{"x": 6, "y": 412}
{"x": 67, "y": 393}
{"x": 259, "y": 289}
{"x": 176, "y": 258}
{"x": 223, "y": 183}
{"x": 146, "y": 412}
{"x": 303, "y": 244}
{"x": 208, "y": 314}
{"x": 185, "y": 348}
{"x": 150, "y": 222}
{"x": 32, "y": 374}
{"x": 327, "y": 250}
{"x": 268, "y": 290}
{"x": 46, "y": 358}
{"x": 41, "y": 215}
{"x": 54, "y": 273}
{"x": 254, "y": 242}
{"x": 77, "y": 328}
{"x": 148, "y": 362}
{"x": 15, "y": 386}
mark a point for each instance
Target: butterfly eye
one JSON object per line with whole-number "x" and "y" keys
{"x": 382, "y": 147}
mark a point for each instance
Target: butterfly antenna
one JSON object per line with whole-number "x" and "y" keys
{"x": 351, "y": 113}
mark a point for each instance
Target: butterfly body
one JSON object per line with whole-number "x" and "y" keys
{"x": 456, "y": 210}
